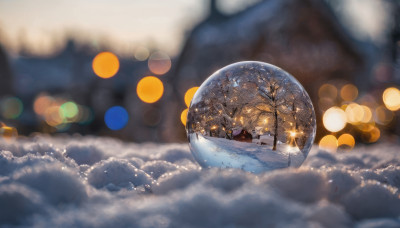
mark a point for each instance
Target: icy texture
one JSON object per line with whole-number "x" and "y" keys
{"x": 151, "y": 185}
{"x": 252, "y": 116}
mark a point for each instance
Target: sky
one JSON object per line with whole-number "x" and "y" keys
{"x": 127, "y": 24}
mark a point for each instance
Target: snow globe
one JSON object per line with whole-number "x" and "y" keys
{"x": 252, "y": 116}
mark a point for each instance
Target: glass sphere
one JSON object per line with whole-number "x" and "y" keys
{"x": 252, "y": 116}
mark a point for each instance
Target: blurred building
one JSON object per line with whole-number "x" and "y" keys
{"x": 6, "y": 87}
{"x": 301, "y": 37}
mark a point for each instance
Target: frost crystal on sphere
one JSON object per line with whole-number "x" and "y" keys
{"x": 252, "y": 116}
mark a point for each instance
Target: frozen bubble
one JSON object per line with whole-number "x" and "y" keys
{"x": 252, "y": 116}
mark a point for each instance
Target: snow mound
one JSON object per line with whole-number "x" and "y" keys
{"x": 101, "y": 182}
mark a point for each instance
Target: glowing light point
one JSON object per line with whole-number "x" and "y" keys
{"x": 334, "y": 119}
{"x": 349, "y": 92}
{"x": 346, "y": 141}
{"x": 189, "y": 95}
{"x": 105, "y": 64}
{"x": 391, "y": 98}
{"x": 159, "y": 63}
{"x": 69, "y": 109}
{"x": 11, "y": 107}
{"x": 116, "y": 118}
{"x": 8, "y": 132}
{"x": 184, "y": 116}
{"x": 150, "y": 89}
{"x": 328, "y": 143}
{"x": 142, "y": 53}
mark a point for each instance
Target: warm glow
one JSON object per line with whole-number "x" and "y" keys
{"x": 334, "y": 119}
{"x": 8, "y": 132}
{"x": 391, "y": 98}
{"x": 382, "y": 115}
{"x": 53, "y": 116}
{"x": 184, "y": 116}
{"x": 159, "y": 63}
{"x": 292, "y": 134}
{"x": 367, "y": 114}
{"x": 354, "y": 113}
{"x": 189, "y": 95}
{"x": 349, "y": 92}
{"x": 42, "y": 103}
{"x": 142, "y": 53}
{"x": 328, "y": 143}
{"x": 371, "y": 136}
{"x": 105, "y": 64}
{"x": 346, "y": 141}
{"x": 150, "y": 89}
{"x": 366, "y": 127}
{"x": 327, "y": 91}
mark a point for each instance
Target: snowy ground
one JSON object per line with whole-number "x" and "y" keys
{"x": 100, "y": 182}
{"x": 252, "y": 157}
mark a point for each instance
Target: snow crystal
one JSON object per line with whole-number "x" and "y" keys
{"x": 101, "y": 182}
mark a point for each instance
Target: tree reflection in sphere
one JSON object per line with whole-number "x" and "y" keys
{"x": 252, "y": 116}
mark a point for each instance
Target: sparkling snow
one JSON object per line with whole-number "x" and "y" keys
{"x": 102, "y": 182}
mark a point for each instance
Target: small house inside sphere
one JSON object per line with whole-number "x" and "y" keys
{"x": 252, "y": 116}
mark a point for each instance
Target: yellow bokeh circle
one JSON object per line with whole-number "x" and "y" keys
{"x": 105, "y": 64}
{"x": 189, "y": 95}
{"x": 184, "y": 116}
{"x": 328, "y": 143}
{"x": 150, "y": 89}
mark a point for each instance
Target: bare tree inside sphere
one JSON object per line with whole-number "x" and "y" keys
{"x": 253, "y": 116}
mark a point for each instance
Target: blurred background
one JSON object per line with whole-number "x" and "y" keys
{"x": 128, "y": 69}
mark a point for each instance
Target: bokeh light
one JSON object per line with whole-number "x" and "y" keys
{"x": 53, "y": 116}
{"x": 60, "y": 113}
{"x": 142, "y": 53}
{"x": 8, "y": 132}
{"x": 391, "y": 98}
{"x": 382, "y": 115}
{"x": 150, "y": 89}
{"x": 328, "y": 143}
{"x": 349, "y": 92}
{"x": 105, "y": 64}
{"x": 189, "y": 95}
{"x": 11, "y": 107}
{"x": 85, "y": 115}
{"x": 366, "y": 127}
{"x": 371, "y": 136}
{"x": 69, "y": 109}
{"x": 367, "y": 114}
{"x": 346, "y": 142}
{"x": 159, "y": 63}
{"x": 334, "y": 119}
{"x": 354, "y": 113}
{"x": 325, "y": 103}
{"x": 328, "y": 91}
{"x": 116, "y": 118}
{"x": 184, "y": 116}
{"x": 42, "y": 102}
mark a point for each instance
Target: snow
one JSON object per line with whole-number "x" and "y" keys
{"x": 101, "y": 182}
{"x": 220, "y": 152}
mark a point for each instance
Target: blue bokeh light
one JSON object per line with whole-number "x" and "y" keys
{"x": 116, "y": 118}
